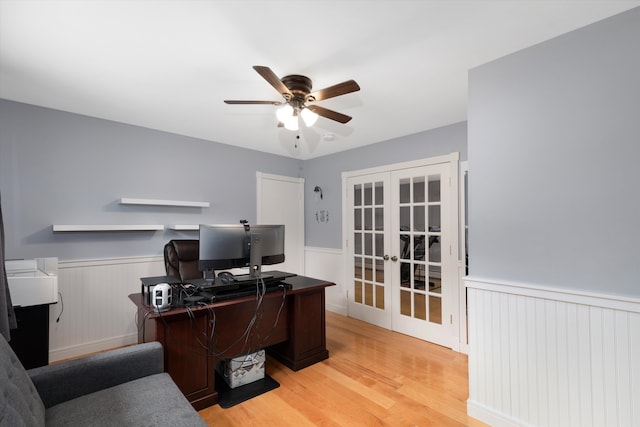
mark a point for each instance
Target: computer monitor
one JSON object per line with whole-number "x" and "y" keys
{"x": 227, "y": 246}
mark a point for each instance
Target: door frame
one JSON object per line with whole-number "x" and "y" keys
{"x": 462, "y": 254}
{"x": 453, "y": 160}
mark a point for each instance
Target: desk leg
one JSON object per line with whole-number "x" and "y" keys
{"x": 307, "y": 337}
{"x": 190, "y": 365}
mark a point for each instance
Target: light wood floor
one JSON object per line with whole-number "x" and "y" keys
{"x": 373, "y": 377}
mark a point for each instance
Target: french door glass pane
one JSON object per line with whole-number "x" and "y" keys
{"x": 368, "y": 269}
{"x": 368, "y": 194}
{"x": 368, "y": 244}
{"x": 357, "y": 291}
{"x": 434, "y": 249}
{"x": 357, "y": 243}
{"x": 418, "y": 247}
{"x": 368, "y": 219}
{"x": 368, "y": 294}
{"x": 379, "y": 193}
{"x": 380, "y": 297}
{"x": 379, "y": 271}
{"x": 435, "y": 279}
{"x": 434, "y": 218}
{"x": 379, "y": 219}
{"x": 379, "y": 244}
{"x": 434, "y": 188}
{"x": 357, "y": 219}
{"x": 357, "y": 195}
{"x": 405, "y": 218}
{"x": 405, "y": 190}
{"x": 418, "y": 189}
{"x": 405, "y": 303}
{"x": 405, "y": 246}
{"x": 357, "y": 267}
{"x": 419, "y": 218}
{"x": 435, "y": 309}
{"x": 420, "y": 306}
{"x": 405, "y": 274}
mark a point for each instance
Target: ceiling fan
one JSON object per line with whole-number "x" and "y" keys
{"x": 299, "y": 100}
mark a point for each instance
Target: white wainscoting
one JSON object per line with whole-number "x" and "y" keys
{"x": 327, "y": 264}
{"x": 96, "y": 311}
{"x": 552, "y": 357}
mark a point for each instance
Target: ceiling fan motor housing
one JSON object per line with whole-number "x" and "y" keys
{"x": 300, "y": 87}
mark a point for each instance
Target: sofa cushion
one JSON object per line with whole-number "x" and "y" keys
{"x": 67, "y": 380}
{"x": 150, "y": 401}
{"x": 21, "y": 404}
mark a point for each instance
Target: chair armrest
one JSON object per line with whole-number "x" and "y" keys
{"x": 64, "y": 381}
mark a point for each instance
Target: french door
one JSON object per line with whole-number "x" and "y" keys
{"x": 370, "y": 298}
{"x": 402, "y": 251}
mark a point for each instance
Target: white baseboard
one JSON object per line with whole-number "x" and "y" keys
{"x": 489, "y": 416}
{"x": 337, "y": 309}
{"x": 92, "y": 347}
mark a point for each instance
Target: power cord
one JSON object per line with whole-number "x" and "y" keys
{"x": 61, "y": 307}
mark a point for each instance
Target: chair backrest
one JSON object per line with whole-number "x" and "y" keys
{"x": 181, "y": 259}
{"x": 23, "y": 405}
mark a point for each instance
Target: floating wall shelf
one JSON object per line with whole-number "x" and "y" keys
{"x": 153, "y": 202}
{"x": 106, "y": 227}
{"x": 184, "y": 227}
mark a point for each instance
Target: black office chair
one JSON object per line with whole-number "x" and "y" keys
{"x": 181, "y": 259}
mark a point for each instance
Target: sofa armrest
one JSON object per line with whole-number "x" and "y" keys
{"x": 64, "y": 381}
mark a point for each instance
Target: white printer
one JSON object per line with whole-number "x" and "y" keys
{"x": 33, "y": 281}
{"x": 33, "y": 285}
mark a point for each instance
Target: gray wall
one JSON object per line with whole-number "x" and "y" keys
{"x": 62, "y": 168}
{"x": 326, "y": 172}
{"x": 554, "y": 142}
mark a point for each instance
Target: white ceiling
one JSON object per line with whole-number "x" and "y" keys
{"x": 168, "y": 65}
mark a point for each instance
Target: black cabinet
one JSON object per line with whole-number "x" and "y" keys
{"x": 30, "y": 341}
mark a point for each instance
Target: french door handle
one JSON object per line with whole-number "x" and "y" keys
{"x": 386, "y": 257}
{"x": 394, "y": 258}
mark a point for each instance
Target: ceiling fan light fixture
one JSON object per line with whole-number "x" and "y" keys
{"x": 284, "y": 113}
{"x": 309, "y": 117}
{"x": 291, "y": 123}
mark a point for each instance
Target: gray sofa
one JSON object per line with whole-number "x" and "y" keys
{"x": 124, "y": 387}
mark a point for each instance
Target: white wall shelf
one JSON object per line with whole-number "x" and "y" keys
{"x": 154, "y": 202}
{"x": 184, "y": 227}
{"x": 107, "y": 227}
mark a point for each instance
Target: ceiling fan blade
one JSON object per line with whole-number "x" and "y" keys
{"x": 329, "y": 114}
{"x": 274, "y": 81}
{"x": 333, "y": 91}
{"x": 233, "y": 101}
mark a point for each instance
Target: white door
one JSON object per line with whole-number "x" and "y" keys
{"x": 424, "y": 266}
{"x": 401, "y": 250}
{"x": 281, "y": 201}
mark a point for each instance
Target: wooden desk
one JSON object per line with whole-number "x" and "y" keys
{"x": 290, "y": 324}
